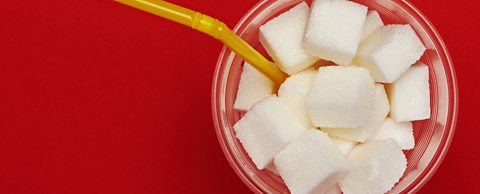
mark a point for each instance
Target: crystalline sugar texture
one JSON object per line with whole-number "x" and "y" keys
{"x": 372, "y": 23}
{"x": 267, "y": 128}
{"x": 343, "y": 145}
{"x": 253, "y": 87}
{"x": 376, "y": 167}
{"x": 341, "y": 97}
{"x": 380, "y": 109}
{"x": 402, "y": 132}
{"x": 282, "y": 38}
{"x": 311, "y": 163}
{"x": 334, "y": 29}
{"x": 410, "y": 95}
{"x": 389, "y": 52}
{"x": 295, "y": 90}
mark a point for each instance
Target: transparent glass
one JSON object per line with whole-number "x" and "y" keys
{"x": 432, "y": 136}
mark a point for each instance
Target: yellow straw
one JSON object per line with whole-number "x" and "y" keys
{"x": 212, "y": 27}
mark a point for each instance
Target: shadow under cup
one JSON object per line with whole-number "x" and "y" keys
{"x": 432, "y": 136}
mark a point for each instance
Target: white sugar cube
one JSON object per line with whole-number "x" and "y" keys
{"x": 269, "y": 125}
{"x": 372, "y": 23}
{"x": 341, "y": 97}
{"x": 295, "y": 90}
{"x": 389, "y": 51}
{"x": 334, "y": 29}
{"x": 253, "y": 87}
{"x": 410, "y": 95}
{"x": 402, "y": 132}
{"x": 311, "y": 163}
{"x": 343, "y": 145}
{"x": 379, "y": 111}
{"x": 376, "y": 167}
{"x": 282, "y": 38}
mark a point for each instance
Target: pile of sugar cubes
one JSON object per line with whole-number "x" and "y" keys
{"x": 337, "y": 126}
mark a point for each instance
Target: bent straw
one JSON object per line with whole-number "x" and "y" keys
{"x": 212, "y": 27}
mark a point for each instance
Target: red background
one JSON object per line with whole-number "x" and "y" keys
{"x": 96, "y": 97}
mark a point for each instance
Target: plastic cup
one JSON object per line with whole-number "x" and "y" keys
{"x": 432, "y": 136}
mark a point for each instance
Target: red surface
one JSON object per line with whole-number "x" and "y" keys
{"x": 96, "y": 97}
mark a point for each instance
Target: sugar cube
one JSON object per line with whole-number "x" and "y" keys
{"x": 402, "y": 132}
{"x": 343, "y": 145}
{"x": 410, "y": 95}
{"x": 372, "y": 23}
{"x": 341, "y": 97}
{"x": 253, "y": 87}
{"x": 311, "y": 163}
{"x": 376, "y": 167}
{"x": 334, "y": 29}
{"x": 282, "y": 38}
{"x": 295, "y": 90}
{"x": 269, "y": 125}
{"x": 379, "y": 111}
{"x": 389, "y": 52}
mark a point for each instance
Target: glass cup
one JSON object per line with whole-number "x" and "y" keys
{"x": 432, "y": 136}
